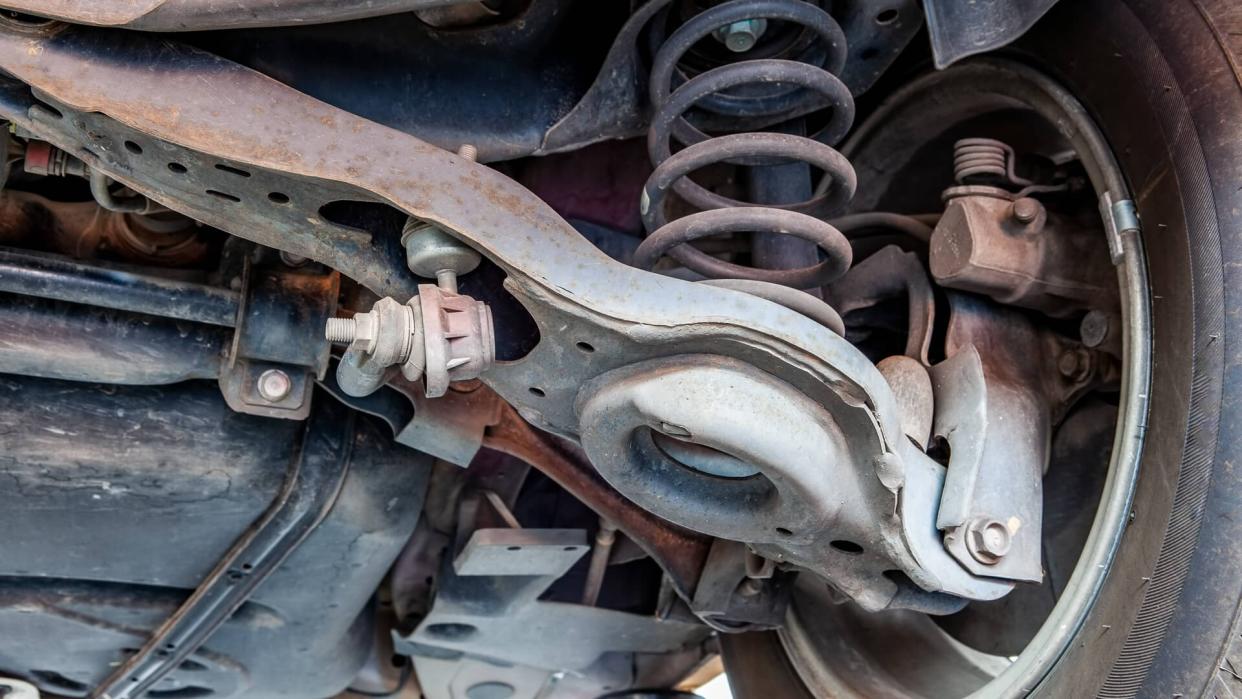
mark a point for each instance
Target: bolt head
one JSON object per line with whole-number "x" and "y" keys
{"x": 989, "y": 541}
{"x": 742, "y": 36}
{"x": 1026, "y": 210}
{"x": 1074, "y": 364}
{"x": 750, "y": 587}
{"x": 291, "y": 260}
{"x": 274, "y": 385}
{"x": 1094, "y": 328}
{"x": 366, "y": 331}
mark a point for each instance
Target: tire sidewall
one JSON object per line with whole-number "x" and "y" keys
{"x": 1167, "y": 98}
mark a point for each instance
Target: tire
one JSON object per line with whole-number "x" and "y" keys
{"x": 1163, "y": 78}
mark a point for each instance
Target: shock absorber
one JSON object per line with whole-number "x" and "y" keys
{"x": 753, "y": 94}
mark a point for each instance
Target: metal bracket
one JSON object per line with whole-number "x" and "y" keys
{"x": 488, "y": 606}
{"x": 451, "y": 427}
{"x": 275, "y": 354}
{"x": 999, "y": 442}
{"x": 995, "y": 398}
{"x": 310, "y": 489}
{"x": 732, "y": 598}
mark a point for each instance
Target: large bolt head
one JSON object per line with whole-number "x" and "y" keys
{"x": 274, "y": 385}
{"x": 988, "y": 541}
{"x": 742, "y": 36}
{"x": 366, "y": 331}
{"x": 1026, "y": 210}
{"x": 1094, "y": 328}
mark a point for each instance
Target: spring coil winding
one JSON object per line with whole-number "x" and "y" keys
{"x": 737, "y": 89}
{"x": 986, "y": 158}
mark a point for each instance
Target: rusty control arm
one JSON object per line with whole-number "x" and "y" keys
{"x": 624, "y": 357}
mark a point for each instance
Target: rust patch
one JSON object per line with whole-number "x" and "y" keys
{"x": 680, "y": 552}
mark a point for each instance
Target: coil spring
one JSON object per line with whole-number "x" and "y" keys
{"x": 985, "y": 157}
{"x": 737, "y": 89}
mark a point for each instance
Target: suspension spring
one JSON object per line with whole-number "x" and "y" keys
{"x": 750, "y": 95}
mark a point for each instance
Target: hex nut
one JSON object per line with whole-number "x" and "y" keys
{"x": 740, "y": 37}
{"x": 988, "y": 541}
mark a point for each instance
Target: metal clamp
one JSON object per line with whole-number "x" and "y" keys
{"x": 1120, "y": 217}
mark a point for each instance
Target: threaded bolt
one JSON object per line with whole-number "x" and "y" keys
{"x": 341, "y": 331}
{"x": 468, "y": 152}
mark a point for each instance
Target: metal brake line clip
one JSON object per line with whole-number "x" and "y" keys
{"x": 1120, "y": 217}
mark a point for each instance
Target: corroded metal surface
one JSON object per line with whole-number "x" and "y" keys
{"x": 680, "y": 552}
{"x": 176, "y": 124}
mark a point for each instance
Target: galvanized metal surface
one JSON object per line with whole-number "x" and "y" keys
{"x": 1003, "y": 387}
{"x": 998, "y": 436}
{"x": 732, "y": 598}
{"x": 521, "y": 552}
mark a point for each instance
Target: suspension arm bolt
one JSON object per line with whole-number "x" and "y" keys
{"x": 274, "y": 385}
{"x": 988, "y": 541}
